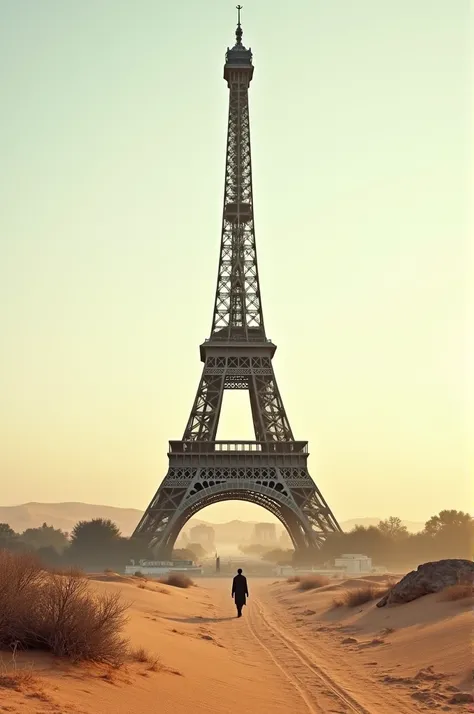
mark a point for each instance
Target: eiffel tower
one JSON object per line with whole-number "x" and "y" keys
{"x": 272, "y": 470}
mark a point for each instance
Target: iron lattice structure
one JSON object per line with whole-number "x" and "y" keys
{"x": 272, "y": 470}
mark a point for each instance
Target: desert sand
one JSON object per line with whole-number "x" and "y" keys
{"x": 291, "y": 652}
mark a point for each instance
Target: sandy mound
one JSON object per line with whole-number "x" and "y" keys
{"x": 361, "y": 583}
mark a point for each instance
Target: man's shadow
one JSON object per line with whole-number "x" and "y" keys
{"x": 199, "y": 620}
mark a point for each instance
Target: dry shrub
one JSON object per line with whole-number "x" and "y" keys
{"x": 139, "y": 574}
{"x": 18, "y": 679}
{"x": 177, "y": 580}
{"x": 140, "y": 654}
{"x": 41, "y": 610}
{"x": 293, "y": 579}
{"x": 311, "y": 582}
{"x": 461, "y": 591}
{"x": 71, "y": 572}
{"x": 358, "y": 596}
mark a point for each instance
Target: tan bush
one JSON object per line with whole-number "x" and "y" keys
{"x": 311, "y": 582}
{"x": 358, "y": 596}
{"x": 71, "y": 572}
{"x": 140, "y": 654}
{"x": 293, "y": 579}
{"x": 18, "y": 679}
{"x": 461, "y": 591}
{"x": 58, "y": 613}
{"x": 177, "y": 580}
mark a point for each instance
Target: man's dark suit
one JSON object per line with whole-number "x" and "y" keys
{"x": 239, "y": 592}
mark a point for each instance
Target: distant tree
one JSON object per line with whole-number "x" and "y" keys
{"x": 94, "y": 533}
{"x": 6, "y": 532}
{"x": 279, "y": 556}
{"x": 45, "y": 537}
{"x": 197, "y": 549}
{"x": 370, "y": 541}
{"x": 9, "y": 539}
{"x": 448, "y": 520}
{"x": 96, "y": 542}
{"x": 255, "y": 549}
{"x": 183, "y": 554}
{"x": 49, "y": 556}
{"x": 393, "y": 527}
{"x": 451, "y": 534}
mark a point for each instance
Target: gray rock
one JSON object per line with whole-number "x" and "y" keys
{"x": 462, "y": 698}
{"x": 429, "y": 578}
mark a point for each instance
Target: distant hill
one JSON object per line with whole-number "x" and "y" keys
{"x": 413, "y": 526}
{"x": 66, "y": 515}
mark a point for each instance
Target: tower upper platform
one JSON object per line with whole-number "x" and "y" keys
{"x": 238, "y": 57}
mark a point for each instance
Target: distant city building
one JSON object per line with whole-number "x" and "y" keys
{"x": 264, "y": 534}
{"x": 205, "y": 535}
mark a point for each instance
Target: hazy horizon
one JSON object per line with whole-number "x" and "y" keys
{"x": 113, "y": 147}
{"x": 207, "y": 514}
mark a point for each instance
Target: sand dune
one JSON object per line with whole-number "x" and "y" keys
{"x": 290, "y": 653}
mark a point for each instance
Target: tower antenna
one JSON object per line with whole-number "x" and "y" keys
{"x": 239, "y": 31}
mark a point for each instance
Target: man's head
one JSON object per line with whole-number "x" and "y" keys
{"x": 239, "y": 571}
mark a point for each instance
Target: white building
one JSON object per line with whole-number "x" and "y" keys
{"x": 354, "y": 563}
{"x": 156, "y": 568}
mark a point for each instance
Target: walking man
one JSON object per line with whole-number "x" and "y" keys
{"x": 239, "y": 591}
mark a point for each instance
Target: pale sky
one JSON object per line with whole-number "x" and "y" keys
{"x": 112, "y": 147}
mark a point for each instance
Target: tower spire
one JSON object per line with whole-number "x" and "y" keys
{"x": 239, "y": 32}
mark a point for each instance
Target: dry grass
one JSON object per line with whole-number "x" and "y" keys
{"x": 18, "y": 679}
{"x": 461, "y": 591}
{"x": 140, "y": 654}
{"x": 177, "y": 580}
{"x": 71, "y": 572}
{"x": 41, "y": 610}
{"x": 358, "y": 596}
{"x": 311, "y": 582}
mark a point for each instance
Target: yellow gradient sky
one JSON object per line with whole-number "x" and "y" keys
{"x": 112, "y": 143}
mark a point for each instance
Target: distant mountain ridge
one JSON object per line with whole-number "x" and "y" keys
{"x": 66, "y": 515}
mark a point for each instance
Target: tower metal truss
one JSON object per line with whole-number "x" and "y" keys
{"x": 272, "y": 470}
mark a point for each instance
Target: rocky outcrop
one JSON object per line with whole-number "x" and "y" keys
{"x": 429, "y": 578}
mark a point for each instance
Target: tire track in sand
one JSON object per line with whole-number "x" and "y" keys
{"x": 318, "y": 690}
